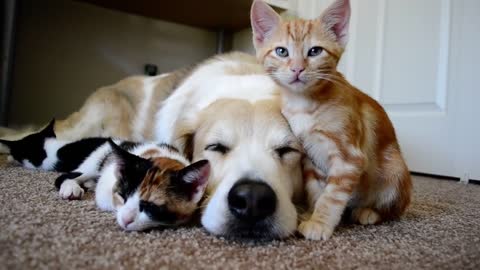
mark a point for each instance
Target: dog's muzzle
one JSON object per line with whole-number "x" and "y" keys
{"x": 251, "y": 203}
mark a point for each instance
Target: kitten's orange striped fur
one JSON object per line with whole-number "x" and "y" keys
{"x": 353, "y": 155}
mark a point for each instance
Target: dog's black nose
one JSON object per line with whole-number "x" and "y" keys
{"x": 251, "y": 201}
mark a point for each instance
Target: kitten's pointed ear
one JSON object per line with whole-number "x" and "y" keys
{"x": 115, "y": 148}
{"x": 128, "y": 161}
{"x": 337, "y": 20}
{"x": 195, "y": 177}
{"x": 122, "y": 155}
{"x": 264, "y": 21}
{"x": 49, "y": 130}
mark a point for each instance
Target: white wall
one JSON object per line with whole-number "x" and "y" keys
{"x": 66, "y": 49}
{"x": 242, "y": 41}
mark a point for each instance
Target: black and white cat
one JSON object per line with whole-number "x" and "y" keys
{"x": 147, "y": 184}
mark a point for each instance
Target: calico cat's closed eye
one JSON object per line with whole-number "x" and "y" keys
{"x": 281, "y": 51}
{"x": 157, "y": 212}
{"x": 314, "y": 51}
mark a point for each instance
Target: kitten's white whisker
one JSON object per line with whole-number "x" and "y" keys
{"x": 333, "y": 79}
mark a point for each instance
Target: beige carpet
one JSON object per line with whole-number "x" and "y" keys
{"x": 38, "y": 230}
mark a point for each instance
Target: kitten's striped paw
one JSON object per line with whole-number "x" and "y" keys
{"x": 71, "y": 190}
{"x": 366, "y": 216}
{"x": 314, "y": 230}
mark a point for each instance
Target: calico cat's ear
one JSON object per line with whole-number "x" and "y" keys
{"x": 264, "y": 21}
{"x": 128, "y": 163}
{"x": 49, "y": 130}
{"x": 193, "y": 180}
{"x": 336, "y": 18}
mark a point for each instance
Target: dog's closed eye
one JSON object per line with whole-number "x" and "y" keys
{"x": 284, "y": 150}
{"x": 217, "y": 147}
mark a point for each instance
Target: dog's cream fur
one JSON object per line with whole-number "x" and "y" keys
{"x": 227, "y": 99}
{"x": 252, "y": 131}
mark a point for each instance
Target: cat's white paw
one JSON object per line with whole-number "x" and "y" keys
{"x": 71, "y": 190}
{"x": 314, "y": 230}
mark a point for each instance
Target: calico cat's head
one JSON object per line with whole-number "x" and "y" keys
{"x": 156, "y": 192}
{"x": 300, "y": 53}
{"x": 30, "y": 151}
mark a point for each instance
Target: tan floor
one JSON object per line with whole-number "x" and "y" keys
{"x": 38, "y": 230}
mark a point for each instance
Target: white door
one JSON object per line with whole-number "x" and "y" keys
{"x": 466, "y": 81}
{"x": 421, "y": 60}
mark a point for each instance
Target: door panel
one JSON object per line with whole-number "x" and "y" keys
{"x": 411, "y": 80}
{"x": 464, "y": 82}
{"x": 399, "y": 55}
{"x": 414, "y": 53}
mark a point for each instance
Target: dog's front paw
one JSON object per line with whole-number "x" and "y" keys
{"x": 71, "y": 190}
{"x": 314, "y": 230}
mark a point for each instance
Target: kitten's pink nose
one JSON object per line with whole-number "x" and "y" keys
{"x": 297, "y": 70}
{"x": 128, "y": 219}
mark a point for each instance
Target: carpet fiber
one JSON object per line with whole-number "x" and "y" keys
{"x": 38, "y": 230}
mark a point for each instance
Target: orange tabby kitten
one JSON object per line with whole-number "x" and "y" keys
{"x": 355, "y": 159}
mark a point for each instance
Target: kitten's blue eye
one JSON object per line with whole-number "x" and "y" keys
{"x": 281, "y": 51}
{"x": 314, "y": 51}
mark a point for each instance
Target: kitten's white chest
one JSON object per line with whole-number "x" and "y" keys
{"x": 302, "y": 115}
{"x": 295, "y": 109}
{"x": 301, "y": 123}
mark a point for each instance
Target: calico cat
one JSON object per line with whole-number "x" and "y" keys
{"x": 354, "y": 158}
{"x": 147, "y": 184}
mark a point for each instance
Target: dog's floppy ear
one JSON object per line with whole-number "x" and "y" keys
{"x": 49, "y": 130}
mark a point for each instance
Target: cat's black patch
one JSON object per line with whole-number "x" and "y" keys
{"x": 71, "y": 175}
{"x": 31, "y": 147}
{"x": 125, "y": 145}
{"x": 128, "y": 146}
{"x": 131, "y": 170}
{"x": 71, "y": 155}
{"x": 158, "y": 213}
